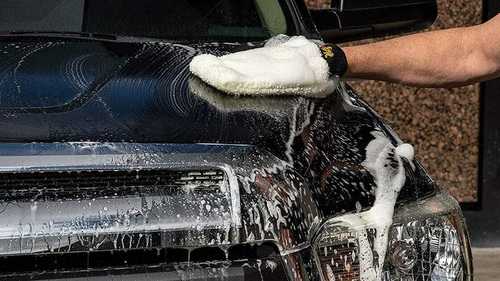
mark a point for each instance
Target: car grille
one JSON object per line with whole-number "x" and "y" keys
{"x": 81, "y": 184}
{"x": 87, "y": 222}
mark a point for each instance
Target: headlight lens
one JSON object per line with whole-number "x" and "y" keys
{"x": 427, "y": 241}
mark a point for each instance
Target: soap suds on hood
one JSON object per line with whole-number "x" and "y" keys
{"x": 282, "y": 67}
{"x": 225, "y": 103}
{"x": 385, "y": 162}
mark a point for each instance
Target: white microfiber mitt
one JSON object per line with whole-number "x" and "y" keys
{"x": 294, "y": 67}
{"x": 227, "y": 103}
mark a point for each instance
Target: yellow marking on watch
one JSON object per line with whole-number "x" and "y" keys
{"x": 327, "y": 51}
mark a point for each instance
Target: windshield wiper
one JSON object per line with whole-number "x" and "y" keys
{"x": 88, "y": 35}
{"x": 65, "y": 33}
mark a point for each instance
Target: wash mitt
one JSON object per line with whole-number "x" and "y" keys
{"x": 284, "y": 66}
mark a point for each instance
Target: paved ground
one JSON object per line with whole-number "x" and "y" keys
{"x": 486, "y": 264}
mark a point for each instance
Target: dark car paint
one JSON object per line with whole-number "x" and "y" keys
{"x": 73, "y": 90}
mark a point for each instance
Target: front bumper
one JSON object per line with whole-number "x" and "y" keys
{"x": 267, "y": 232}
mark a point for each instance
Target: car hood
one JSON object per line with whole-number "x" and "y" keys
{"x": 54, "y": 90}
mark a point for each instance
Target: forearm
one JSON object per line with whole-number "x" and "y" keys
{"x": 443, "y": 58}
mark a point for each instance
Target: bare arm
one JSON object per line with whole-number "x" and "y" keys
{"x": 445, "y": 58}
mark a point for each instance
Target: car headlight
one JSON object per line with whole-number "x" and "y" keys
{"x": 427, "y": 241}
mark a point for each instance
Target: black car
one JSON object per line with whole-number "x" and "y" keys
{"x": 116, "y": 163}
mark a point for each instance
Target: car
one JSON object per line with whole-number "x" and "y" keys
{"x": 116, "y": 163}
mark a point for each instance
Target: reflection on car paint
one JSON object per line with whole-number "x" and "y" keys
{"x": 291, "y": 163}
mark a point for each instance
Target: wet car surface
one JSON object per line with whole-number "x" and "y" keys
{"x": 116, "y": 162}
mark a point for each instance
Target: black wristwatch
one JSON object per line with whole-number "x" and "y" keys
{"x": 336, "y": 58}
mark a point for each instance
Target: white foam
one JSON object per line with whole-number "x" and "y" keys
{"x": 384, "y": 161}
{"x": 225, "y": 103}
{"x": 406, "y": 150}
{"x": 282, "y": 67}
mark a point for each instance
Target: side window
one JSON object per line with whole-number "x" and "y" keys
{"x": 318, "y": 4}
{"x": 272, "y": 16}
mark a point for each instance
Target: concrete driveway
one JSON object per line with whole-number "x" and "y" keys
{"x": 486, "y": 264}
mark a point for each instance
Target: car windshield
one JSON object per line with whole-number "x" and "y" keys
{"x": 174, "y": 20}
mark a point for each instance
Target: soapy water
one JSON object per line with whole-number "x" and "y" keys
{"x": 383, "y": 160}
{"x": 269, "y": 70}
{"x": 385, "y": 163}
{"x": 227, "y": 104}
